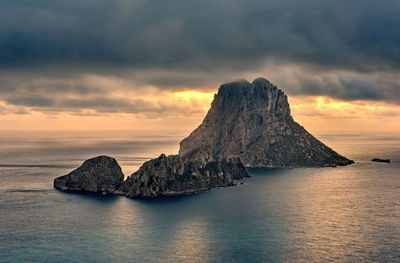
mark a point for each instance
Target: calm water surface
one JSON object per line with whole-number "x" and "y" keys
{"x": 346, "y": 214}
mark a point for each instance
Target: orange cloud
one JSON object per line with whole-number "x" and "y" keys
{"x": 332, "y": 108}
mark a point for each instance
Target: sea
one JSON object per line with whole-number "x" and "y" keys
{"x": 343, "y": 214}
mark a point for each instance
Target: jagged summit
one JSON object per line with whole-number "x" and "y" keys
{"x": 258, "y": 95}
{"x": 252, "y": 121}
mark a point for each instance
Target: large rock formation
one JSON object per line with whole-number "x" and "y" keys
{"x": 249, "y": 124}
{"x": 174, "y": 175}
{"x": 252, "y": 121}
{"x": 101, "y": 175}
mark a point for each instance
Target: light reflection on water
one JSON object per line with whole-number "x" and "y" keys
{"x": 345, "y": 214}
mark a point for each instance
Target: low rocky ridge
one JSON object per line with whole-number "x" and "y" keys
{"x": 173, "y": 175}
{"x": 162, "y": 176}
{"x": 252, "y": 121}
{"x": 101, "y": 175}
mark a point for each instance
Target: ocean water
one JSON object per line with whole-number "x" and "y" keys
{"x": 344, "y": 214}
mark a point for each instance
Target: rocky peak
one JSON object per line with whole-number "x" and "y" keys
{"x": 252, "y": 121}
{"x": 260, "y": 96}
{"x": 267, "y": 96}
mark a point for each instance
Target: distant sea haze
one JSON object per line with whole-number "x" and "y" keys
{"x": 344, "y": 214}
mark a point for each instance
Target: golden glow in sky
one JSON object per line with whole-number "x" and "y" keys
{"x": 185, "y": 109}
{"x": 194, "y": 97}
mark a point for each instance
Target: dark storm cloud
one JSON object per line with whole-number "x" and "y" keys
{"x": 47, "y": 48}
{"x": 200, "y": 34}
{"x": 111, "y": 105}
{"x": 97, "y": 105}
{"x": 85, "y": 93}
{"x": 33, "y": 86}
{"x": 350, "y": 86}
{"x": 31, "y": 101}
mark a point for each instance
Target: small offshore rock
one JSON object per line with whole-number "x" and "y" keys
{"x": 380, "y": 160}
{"x": 100, "y": 175}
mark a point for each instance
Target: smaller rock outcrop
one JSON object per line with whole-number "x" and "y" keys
{"x": 175, "y": 175}
{"x": 101, "y": 175}
{"x": 380, "y": 160}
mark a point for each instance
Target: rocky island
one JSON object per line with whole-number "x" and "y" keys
{"x": 248, "y": 125}
{"x": 100, "y": 175}
{"x": 379, "y": 160}
{"x": 252, "y": 121}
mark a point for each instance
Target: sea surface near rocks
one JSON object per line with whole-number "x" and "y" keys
{"x": 344, "y": 214}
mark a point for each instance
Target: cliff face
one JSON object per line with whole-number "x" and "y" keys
{"x": 252, "y": 121}
{"x": 174, "y": 174}
{"x": 101, "y": 175}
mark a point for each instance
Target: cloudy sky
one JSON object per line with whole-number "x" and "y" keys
{"x": 146, "y": 64}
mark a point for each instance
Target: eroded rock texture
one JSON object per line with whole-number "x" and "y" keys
{"x": 252, "y": 121}
{"x": 101, "y": 175}
{"x": 162, "y": 176}
{"x": 174, "y": 175}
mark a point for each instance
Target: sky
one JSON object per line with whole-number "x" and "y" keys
{"x": 146, "y": 64}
